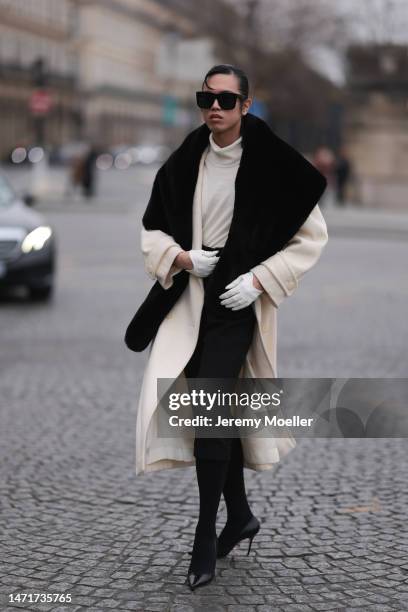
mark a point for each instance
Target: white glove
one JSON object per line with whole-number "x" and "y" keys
{"x": 241, "y": 292}
{"x": 203, "y": 262}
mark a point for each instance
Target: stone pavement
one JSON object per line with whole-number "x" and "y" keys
{"x": 75, "y": 519}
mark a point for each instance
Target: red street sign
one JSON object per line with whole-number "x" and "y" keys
{"x": 40, "y": 102}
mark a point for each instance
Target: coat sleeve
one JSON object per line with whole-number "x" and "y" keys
{"x": 159, "y": 252}
{"x": 158, "y": 245}
{"x": 280, "y": 274}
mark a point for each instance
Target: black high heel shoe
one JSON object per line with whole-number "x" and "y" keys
{"x": 197, "y": 578}
{"x": 249, "y": 530}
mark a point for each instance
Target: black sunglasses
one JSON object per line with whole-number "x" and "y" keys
{"x": 226, "y": 99}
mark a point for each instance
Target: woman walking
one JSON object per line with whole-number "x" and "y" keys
{"x": 231, "y": 226}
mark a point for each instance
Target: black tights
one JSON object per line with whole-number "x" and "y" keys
{"x": 215, "y": 477}
{"x": 238, "y": 511}
{"x": 227, "y": 477}
{"x": 223, "y": 341}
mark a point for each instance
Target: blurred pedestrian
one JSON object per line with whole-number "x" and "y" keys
{"x": 343, "y": 172}
{"x": 75, "y": 176}
{"x": 88, "y": 172}
{"x": 325, "y": 161}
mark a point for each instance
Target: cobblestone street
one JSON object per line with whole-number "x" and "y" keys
{"x": 74, "y": 517}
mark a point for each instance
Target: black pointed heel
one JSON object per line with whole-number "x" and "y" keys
{"x": 197, "y": 579}
{"x": 225, "y": 545}
{"x": 250, "y": 543}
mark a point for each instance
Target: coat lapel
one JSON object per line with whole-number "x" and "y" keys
{"x": 197, "y": 214}
{"x": 182, "y": 170}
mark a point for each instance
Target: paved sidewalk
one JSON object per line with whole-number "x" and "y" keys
{"x": 353, "y": 221}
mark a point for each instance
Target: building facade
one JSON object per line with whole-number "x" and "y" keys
{"x": 31, "y": 30}
{"x": 116, "y": 71}
{"x": 124, "y": 72}
{"x": 376, "y": 125}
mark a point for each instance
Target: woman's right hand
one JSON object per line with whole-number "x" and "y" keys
{"x": 197, "y": 261}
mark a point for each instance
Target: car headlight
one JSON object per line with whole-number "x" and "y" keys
{"x": 35, "y": 240}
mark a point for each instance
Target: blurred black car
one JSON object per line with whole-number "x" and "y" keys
{"x": 27, "y": 246}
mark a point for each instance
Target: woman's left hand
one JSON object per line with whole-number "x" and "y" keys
{"x": 241, "y": 292}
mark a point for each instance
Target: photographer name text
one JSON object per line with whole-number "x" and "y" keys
{"x": 256, "y": 422}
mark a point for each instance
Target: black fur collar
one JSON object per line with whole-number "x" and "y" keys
{"x": 276, "y": 189}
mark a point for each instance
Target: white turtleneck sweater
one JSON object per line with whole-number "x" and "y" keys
{"x": 218, "y": 190}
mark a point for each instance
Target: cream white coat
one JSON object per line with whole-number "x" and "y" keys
{"x": 177, "y": 336}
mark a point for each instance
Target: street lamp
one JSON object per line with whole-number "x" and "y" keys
{"x": 40, "y": 104}
{"x": 40, "y": 101}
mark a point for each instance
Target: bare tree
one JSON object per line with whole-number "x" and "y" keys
{"x": 294, "y": 24}
{"x": 301, "y": 24}
{"x": 379, "y": 21}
